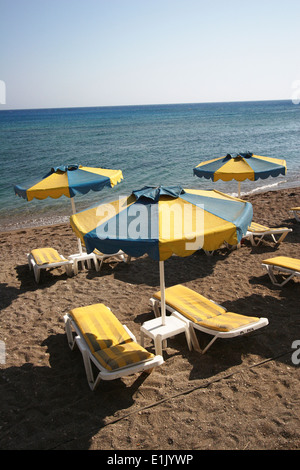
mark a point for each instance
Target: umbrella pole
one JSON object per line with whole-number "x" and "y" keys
{"x": 162, "y": 291}
{"x": 239, "y": 190}
{"x": 74, "y": 212}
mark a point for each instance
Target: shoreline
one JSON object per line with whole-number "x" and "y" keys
{"x": 242, "y": 394}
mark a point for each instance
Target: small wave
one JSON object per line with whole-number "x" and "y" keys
{"x": 264, "y": 188}
{"x": 285, "y": 184}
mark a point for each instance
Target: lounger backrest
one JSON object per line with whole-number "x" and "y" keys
{"x": 254, "y": 227}
{"x": 203, "y": 311}
{"x": 99, "y": 327}
{"x": 46, "y": 256}
{"x": 107, "y": 339}
{"x": 190, "y": 303}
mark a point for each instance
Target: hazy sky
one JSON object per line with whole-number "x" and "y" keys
{"x": 66, "y": 53}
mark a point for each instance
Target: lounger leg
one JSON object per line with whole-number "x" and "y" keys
{"x": 188, "y": 338}
{"x": 101, "y": 262}
{"x": 273, "y": 278}
{"x": 271, "y": 275}
{"x": 87, "y": 364}
{"x": 36, "y": 271}
{"x": 287, "y": 280}
{"x": 155, "y": 306}
{"x": 194, "y": 339}
{"x": 280, "y": 240}
{"x": 88, "y": 370}
{"x": 29, "y": 262}
{"x": 156, "y": 309}
{"x": 296, "y": 215}
{"x": 251, "y": 240}
{"x": 75, "y": 267}
{"x": 253, "y": 243}
{"x": 68, "y": 330}
{"x": 89, "y": 264}
{"x": 96, "y": 263}
{"x": 209, "y": 345}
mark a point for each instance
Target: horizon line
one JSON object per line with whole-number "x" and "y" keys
{"x": 145, "y": 104}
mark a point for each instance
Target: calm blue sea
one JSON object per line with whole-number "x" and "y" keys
{"x": 152, "y": 145}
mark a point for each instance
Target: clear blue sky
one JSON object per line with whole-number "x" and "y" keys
{"x": 66, "y": 53}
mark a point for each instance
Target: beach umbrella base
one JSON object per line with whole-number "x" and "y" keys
{"x": 159, "y": 332}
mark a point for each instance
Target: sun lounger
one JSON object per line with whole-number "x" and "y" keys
{"x": 296, "y": 213}
{"x": 96, "y": 256}
{"x": 256, "y": 233}
{"x": 205, "y": 315}
{"x": 106, "y": 345}
{"x": 102, "y": 256}
{"x": 282, "y": 265}
{"x": 47, "y": 258}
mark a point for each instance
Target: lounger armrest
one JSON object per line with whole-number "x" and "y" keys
{"x": 129, "y": 332}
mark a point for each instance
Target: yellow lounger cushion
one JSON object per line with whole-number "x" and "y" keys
{"x": 202, "y": 311}
{"x": 108, "y": 340}
{"x": 254, "y": 227}
{"x": 284, "y": 262}
{"x": 122, "y": 355}
{"x": 99, "y": 327}
{"x": 46, "y": 256}
{"x": 227, "y": 321}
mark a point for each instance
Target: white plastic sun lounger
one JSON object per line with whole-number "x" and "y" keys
{"x": 296, "y": 213}
{"x": 205, "y": 315}
{"x": 282, "y": 265}
{"x": 120, "y": 255}
{"x": 256, "y": 233}
{"x": 96, "y": 257}
{"x": 106, "y": 345}
{"x": 47, "y": 258}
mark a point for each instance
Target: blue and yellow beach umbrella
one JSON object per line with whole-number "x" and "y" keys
{"x": 68, "y": 181}
{"x": 163, "y": 221}
{"x": 240, "y": 167}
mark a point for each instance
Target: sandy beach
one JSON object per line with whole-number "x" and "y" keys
{"x": 242, "y": 394}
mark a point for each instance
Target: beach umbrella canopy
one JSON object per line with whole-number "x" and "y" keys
{"x": 163, "y": 221}
{"x": 68, "y": 181}
{"x": 240, "y": 167}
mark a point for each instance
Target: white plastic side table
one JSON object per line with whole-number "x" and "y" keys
{"x": 81, "y": 258}
{"x": 159, "y": 332}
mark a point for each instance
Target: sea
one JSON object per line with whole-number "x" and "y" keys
{"x": 152, "y": 145}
